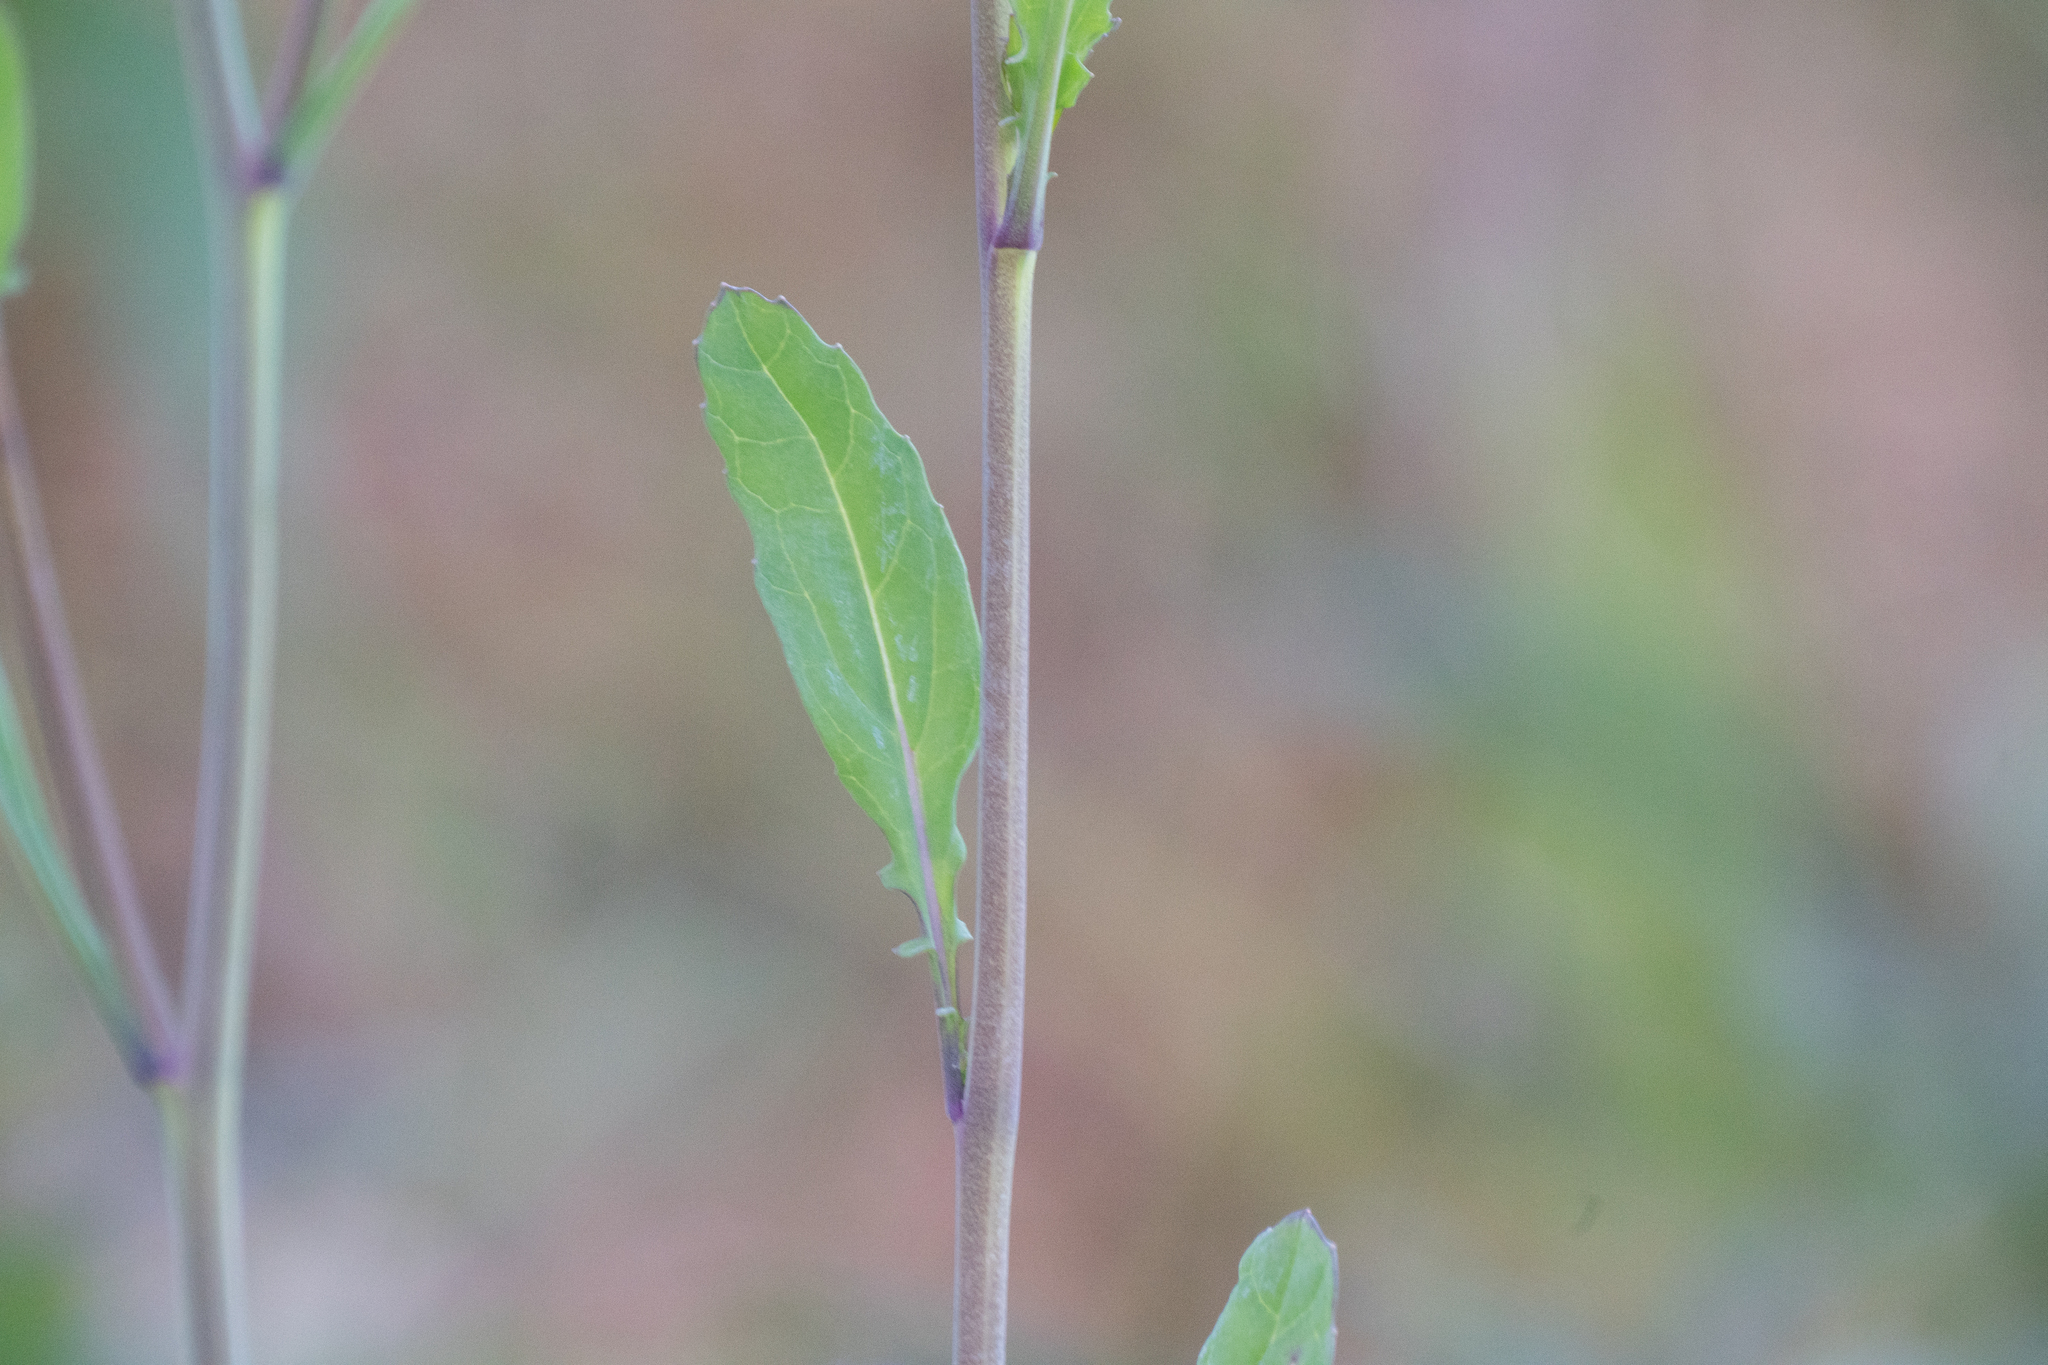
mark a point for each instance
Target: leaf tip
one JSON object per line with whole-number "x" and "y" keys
{"x": 1305, "y": 1216}
{"x": 729, "y": 293}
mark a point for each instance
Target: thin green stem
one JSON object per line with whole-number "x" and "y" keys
{"x": 206, "y": 1209}
{"x": 255, "y": 155}
{"x": 50, "y": 877}
{"x": 100, "y": 853}
{"x": 201, "y": 1115}
{"x": 289, "y": 69}
{"x": 328, "y": 96}
{"x": 241, "y": 634}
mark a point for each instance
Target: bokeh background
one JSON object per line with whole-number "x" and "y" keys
{"x": 1541, "y": 688}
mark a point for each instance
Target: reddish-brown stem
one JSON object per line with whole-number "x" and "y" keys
{"x": 986, "y": 1137}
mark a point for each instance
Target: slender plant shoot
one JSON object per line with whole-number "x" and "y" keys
{"x": 1044, "y": 71}
{"x": 1028, "y": 66}
{"x": 304, "y": 129}
{"x": 865, "y": 584}
{"x": 256, "y": 154}
{"x": 39, "y": 854}
{"x": 120, "y": 972}
{"x": 1284, "y": 1309}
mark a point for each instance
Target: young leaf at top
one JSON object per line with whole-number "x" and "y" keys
{"x": 1043, "y": 74}
{"x": 15, "y": 152}
{"x": 1283, "y": 1311}
{"x": 865, "y": 584}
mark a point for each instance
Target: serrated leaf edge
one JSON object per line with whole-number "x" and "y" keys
{"x": 932, "y": 911}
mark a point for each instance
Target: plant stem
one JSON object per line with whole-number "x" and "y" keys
{"x": 986, "y": 1139}
{"x": 206, "y": 1223}
{"x": 290, "y": 68}
{"x": 203, "y": 1119}
{"x": 202, "y": 1115}
{"x": 298, "y": 142}
{"x": 225, "y": 105}
{"x": 87, "y": 803}
{"x": 991, "y": 37}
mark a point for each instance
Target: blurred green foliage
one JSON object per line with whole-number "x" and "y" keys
{"x": 38, "y": 1303}
{"x": 17, "y": 167}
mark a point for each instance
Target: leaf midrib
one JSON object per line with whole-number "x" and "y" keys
{"x": 1278, "y": 1307}
{"x": 914, "y": 790}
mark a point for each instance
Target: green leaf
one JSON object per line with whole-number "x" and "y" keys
{"x": 1044, "y": 72}
{"x": 864, "y": 582}
{"x": 38, "y": 1303}
{"x": 15, "y": 152}
{"x": 1048, "y": 39}
{"x": 1283, "y": 1311}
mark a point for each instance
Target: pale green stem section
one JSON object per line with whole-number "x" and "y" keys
{"x": 986, "y": 1140}
{"x": 203, "y": 1117}
{"x": 201, "y": 1113}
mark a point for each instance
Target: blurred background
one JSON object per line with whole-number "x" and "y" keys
{"x": 1541, "y": 708}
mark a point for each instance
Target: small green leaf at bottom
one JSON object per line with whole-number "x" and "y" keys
{"x": 1284, "y": 1309}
